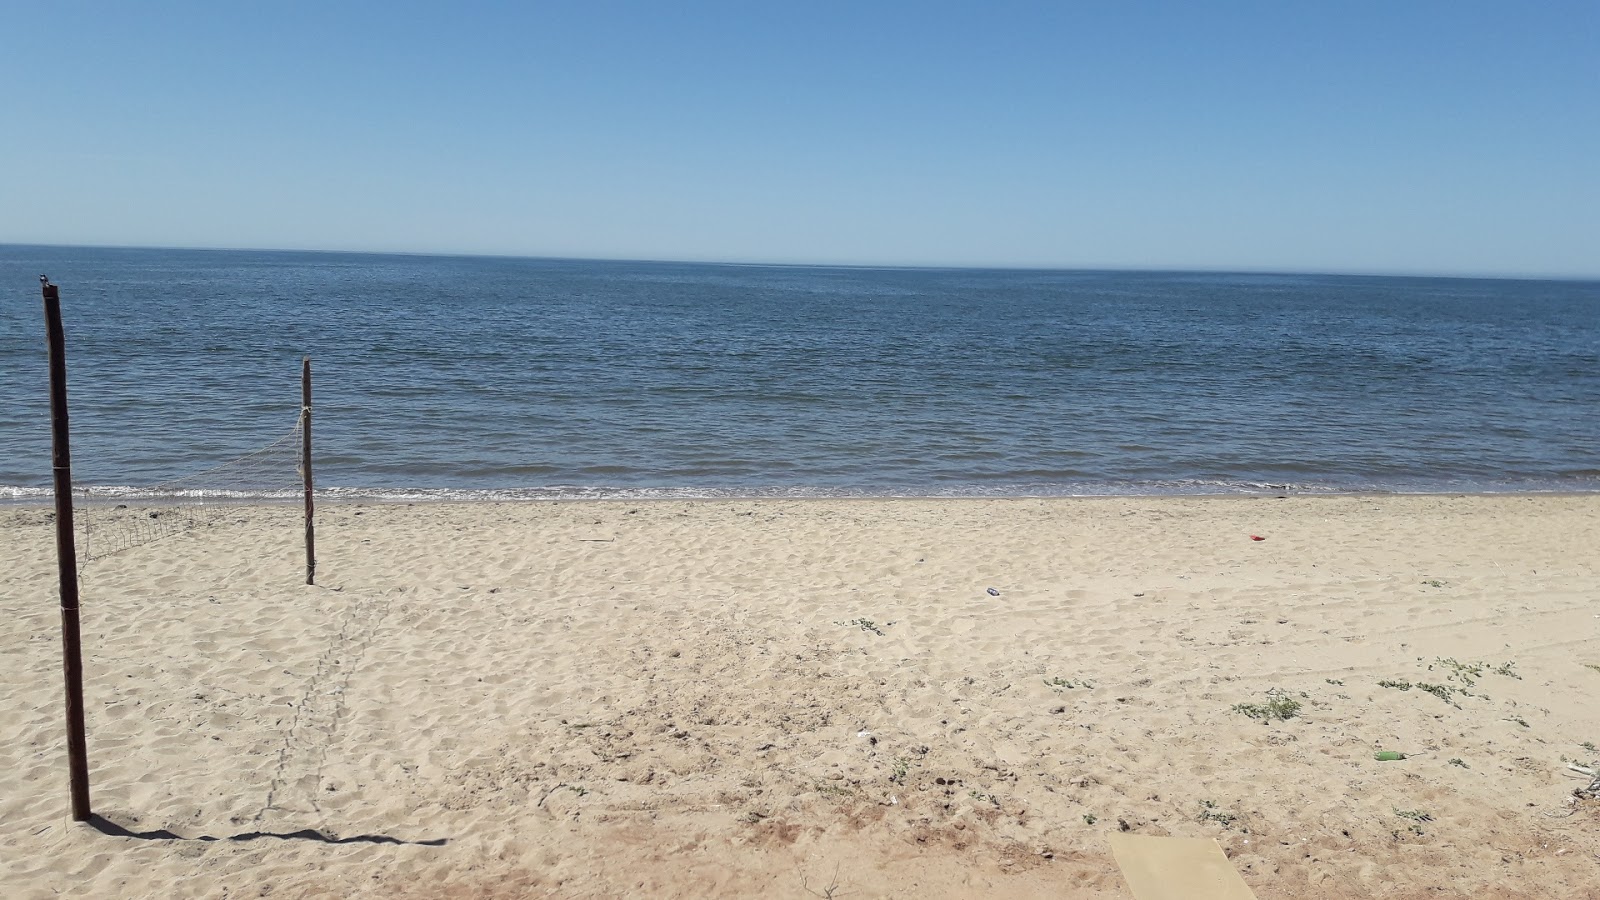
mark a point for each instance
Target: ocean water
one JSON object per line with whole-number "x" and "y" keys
{"x": 495, "y": 377}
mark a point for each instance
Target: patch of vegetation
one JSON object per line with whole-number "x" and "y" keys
{"x": 1089, "y": 818}
{"x": 902, "y": 766}
{"x": 1458, "y": 761}
{"x": 1589, "y": 746}
{"x": 983, "y": 797}
{"x": 1519, "y": 720}
{"x": 865, "y": 625}
{"x": 1337, "y": 681}
{"x": 1278, "y": 705}
{"x": 1466, "y": 673}
{"x": 1210, "y": 813}
{"x": 1442, "y": 691}
{"x": 1059, "y": 684}
{"x": 1416, "y": 816}
{"x": 1433, "y": 582}
{"x": 1591, "y": 666}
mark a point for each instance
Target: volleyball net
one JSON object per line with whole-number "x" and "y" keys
{"x": 96, "y": 522}
{"x": 111, "y": 520}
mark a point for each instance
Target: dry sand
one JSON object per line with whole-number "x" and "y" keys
{"x": 776, "y": 698}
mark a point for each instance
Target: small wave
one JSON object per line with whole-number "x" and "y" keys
{"x": 123, "y": 492}
{"x": 974, "y": 489}
{"x": 965, "y": 490}
{"x": 109, "y": 493}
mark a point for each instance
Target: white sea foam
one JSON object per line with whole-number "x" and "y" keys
{"x": 19, "y": 495}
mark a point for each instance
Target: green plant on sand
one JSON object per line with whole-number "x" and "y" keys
{"x": 1278, "y": 705}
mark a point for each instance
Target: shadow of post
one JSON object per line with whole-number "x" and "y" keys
{"x": 106, "y": 826}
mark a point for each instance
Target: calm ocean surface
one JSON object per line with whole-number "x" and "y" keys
{"x": 485, "y": 377}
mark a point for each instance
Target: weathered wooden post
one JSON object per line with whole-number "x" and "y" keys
{"x": 305, "y": 467}
{"x": 66, "y": 554}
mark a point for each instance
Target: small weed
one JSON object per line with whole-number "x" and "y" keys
{"x": 1519, "y": 720}
{"x": 752, "y": 817}
{"x": 1466, "y": 673}
{"x": 1458, "y": 761}
{"x": 826, "y": 892}
{"x": 1416, "y": 816}
{"x": 1591, "y": 666}
{"x": 1589, "y": 746}
{"x": 982, "y": 797}
{"x": 577, "y": 789}
{"x": 1210, "y": 813}
{"x": 865, "y": 625}
{"x": 1397, "y": 685}
{"x": 1279, "y": 705}
{"x": 1089, "y": 819}
{"x": 1059, "y": 684}
{"x": 901, "y": 767}
{"x": 1434, "y": 582}
{"x": 1337, "y": 681}
{"x": 1443, "y": 692}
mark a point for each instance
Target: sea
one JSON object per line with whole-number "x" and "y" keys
{"x": 455, "y": 377}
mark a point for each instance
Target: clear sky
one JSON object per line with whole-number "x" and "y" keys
{"x": 1438, "y": 137}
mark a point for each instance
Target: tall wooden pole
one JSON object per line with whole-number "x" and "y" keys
{"x": 305, "y": 467}
{"x": 66, "y": 554}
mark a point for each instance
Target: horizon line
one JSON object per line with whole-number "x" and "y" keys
{"x": 1017, "y": 267}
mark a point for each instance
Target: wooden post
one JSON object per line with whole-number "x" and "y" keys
{"x": 66, "y": 554}
{"x": 305, "y": 467}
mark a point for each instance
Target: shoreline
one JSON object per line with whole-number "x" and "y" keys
{"x": 436, "y": 496}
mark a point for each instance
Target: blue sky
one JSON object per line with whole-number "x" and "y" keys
{"x": 1434, "y": 137}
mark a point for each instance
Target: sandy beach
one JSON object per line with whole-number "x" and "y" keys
{"x": 918, "y": 698}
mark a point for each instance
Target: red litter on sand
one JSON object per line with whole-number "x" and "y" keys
{"x": 1257, "y": 537}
